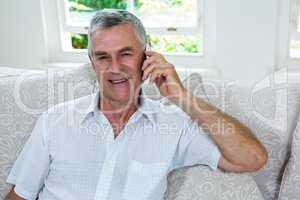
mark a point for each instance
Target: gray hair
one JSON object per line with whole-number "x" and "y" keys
{"x": 108, "y": 18}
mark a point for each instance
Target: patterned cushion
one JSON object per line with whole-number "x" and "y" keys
{"x": 200, "y": 183}
{"x": 290, "y": 186}
{"x": 262, "y": 120}
{"x": 269, "y": 110}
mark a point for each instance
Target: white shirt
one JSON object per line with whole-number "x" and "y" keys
{"x": 72, "y": 154}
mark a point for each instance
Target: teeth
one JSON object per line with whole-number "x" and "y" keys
{"x": 118, "y": 81}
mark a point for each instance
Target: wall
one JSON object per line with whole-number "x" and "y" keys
{"x": 22, "y": 41}
{"x": 246, "y": 34}
{"x": 246, "y": 38}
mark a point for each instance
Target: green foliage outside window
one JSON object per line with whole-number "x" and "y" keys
{"x": 295, "y": 44}
{"x": 159, "y": 43}
{"x": 92, "y": 5}
{"x": 176, "y": 44}
{"x": 175, "y": 2}
{"x": 79, "y": 41}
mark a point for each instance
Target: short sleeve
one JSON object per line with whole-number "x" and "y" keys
{"x": 32, "y": 165}
{"x": 195, "y": 147}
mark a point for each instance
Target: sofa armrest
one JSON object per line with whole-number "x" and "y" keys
{"x": 201, "y": 183}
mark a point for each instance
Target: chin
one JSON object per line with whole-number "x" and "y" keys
{"x": 123, "y": 99}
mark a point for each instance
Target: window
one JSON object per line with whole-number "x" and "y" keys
{"x": 179, "y": 30}
{"x": 295, "y": 29}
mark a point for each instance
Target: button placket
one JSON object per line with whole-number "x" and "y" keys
{"x": 104, "y": 183}
{"x": 113, "y": 148}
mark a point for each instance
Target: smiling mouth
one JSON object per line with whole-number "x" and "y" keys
{"x": 118, "y": 81}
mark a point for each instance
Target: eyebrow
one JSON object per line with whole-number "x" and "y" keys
{"x": 125, "y": 49}
{"x": 100, "y": 53}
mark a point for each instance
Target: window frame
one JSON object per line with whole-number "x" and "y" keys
{"x": 294, "y": 19}
{"x": 287, "y": 25}
{"x": 150, "y": 30}
{"x": 60, "y": 49}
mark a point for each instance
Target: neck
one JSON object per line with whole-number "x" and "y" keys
{"x": 117, "y": 113}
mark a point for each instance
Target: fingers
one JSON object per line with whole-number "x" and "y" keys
{"x": 153, "y": 56}
{"x": 150, "y": 69}
{"x": 147, "y": 71}
{"x": 150, "y": 53}
{"x": 154, "y": 60}
{"x": 157, "y": 73}
{"x": 148, "y": 62}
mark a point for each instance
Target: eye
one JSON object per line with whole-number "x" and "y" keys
{"x": 101, "y": 57}
{"x": 126, "y": 54}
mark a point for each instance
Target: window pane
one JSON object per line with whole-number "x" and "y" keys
{"x": 167, "y": 13}
{"x": 176, "y": 43}
{"x": 81, "y": 11}
{"x": 295, "y": 49}
{"x": 165, "y": 43}
{"x": 295, "y": 31}
{"x": 299, "y": 22}
{"x": 79, "y": 41}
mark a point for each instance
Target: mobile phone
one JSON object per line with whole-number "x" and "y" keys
{"x": 144, "y": 58}
{"x": 148, "y": 46}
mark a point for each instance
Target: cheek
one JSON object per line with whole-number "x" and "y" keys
{"x": 130, "y": 63}
{"x": 138, "y": 78}
{"x": 100, "y": 74}
{"x": 134, "y": 68}
{"x": 133, "y": 61}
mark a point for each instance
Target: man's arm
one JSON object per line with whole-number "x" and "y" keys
{"x": 13, "y": 196}
{"x": 240, "y": 150}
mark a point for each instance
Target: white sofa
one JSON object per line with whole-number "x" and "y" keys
{"x": 270, "y": 112}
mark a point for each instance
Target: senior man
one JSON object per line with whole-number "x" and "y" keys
{"x": 122, "y": 145}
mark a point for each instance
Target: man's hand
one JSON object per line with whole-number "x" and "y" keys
{"x": 13, "y": 196}
{"x": 163, "y": 74}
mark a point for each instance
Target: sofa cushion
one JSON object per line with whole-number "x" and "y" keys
{"x": 201, "y": 183}
{"x": 268, "y": 108}
{"x": 290, "y": 185}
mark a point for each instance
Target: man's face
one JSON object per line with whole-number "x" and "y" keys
{"x": 117, "y": 58}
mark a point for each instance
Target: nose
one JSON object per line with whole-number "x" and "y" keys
{"x": 115, "y": 64}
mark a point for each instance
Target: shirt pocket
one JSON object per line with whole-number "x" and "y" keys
{"x": 144, "y": 179}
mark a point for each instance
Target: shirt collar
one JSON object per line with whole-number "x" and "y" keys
{"x": 147, "y": 107}
{"x": 92, "y": 106}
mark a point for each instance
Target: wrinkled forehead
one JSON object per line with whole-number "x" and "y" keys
{"x": 115, "y": 38}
